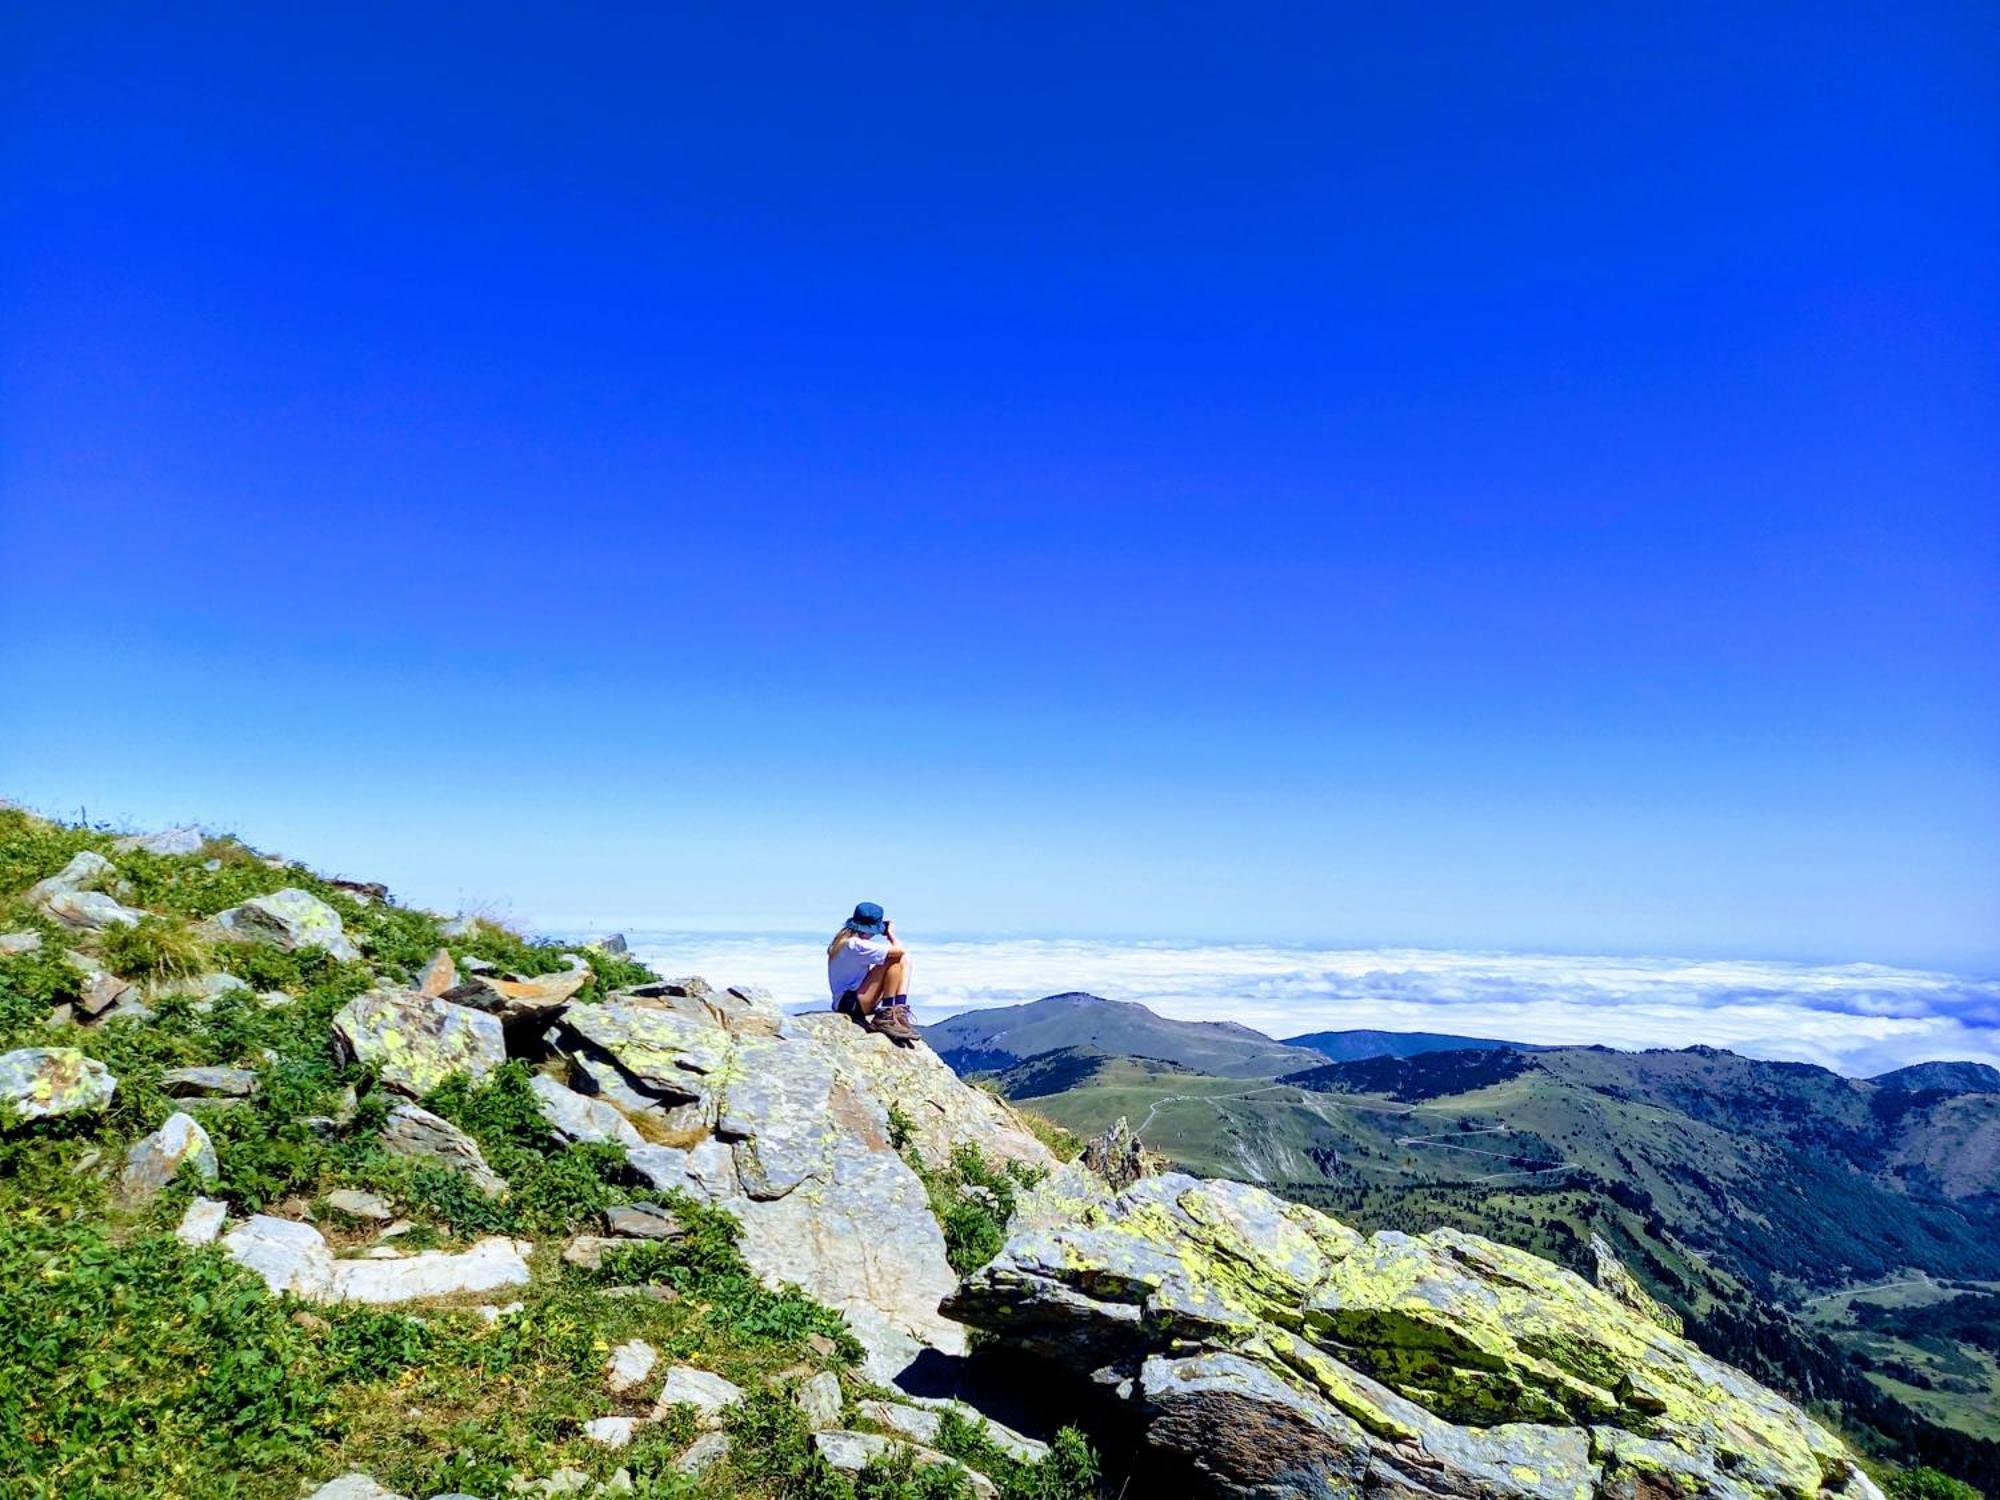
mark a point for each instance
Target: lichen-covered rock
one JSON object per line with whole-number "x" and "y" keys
{"x": 660, "y": 1050}
{"x": 153, "y": 1161}
{"x": 1279, "y": 1353}
{"x": 411, "y": 1131}
{"x": 36, "y": 1082}
{"x": 1609, "y": 1272}
{"x": 578, "y": 1117}
{"x": 519, "y": 1002}
{"x": 416, "y": 1042}
{"x": 292, "y": 919}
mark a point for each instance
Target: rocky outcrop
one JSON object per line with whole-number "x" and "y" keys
{"x": 783, "y": 1120}
{"x": 1272, "y": 1352}
{"x": 75, "y": 898}
{"x": 418, "y": 1042}
{"x": 36, "y": 1082}
{"x": 292, "y": 919}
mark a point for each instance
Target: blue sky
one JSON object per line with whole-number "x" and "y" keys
{"x": 1496, "y": 477}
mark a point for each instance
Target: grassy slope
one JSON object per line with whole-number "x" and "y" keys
{"x": 131, "y": 1365}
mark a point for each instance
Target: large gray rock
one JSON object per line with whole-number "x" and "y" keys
{"x": 578, "y": 1117}
{"x": 89, "y": 911}
{"x": 1278, "y": 1353}
{"x": 36, "y": 1082}
{"x": 664, "y": 1051}
{"x": 12, "y": 943}
{"x": 417, "y": 1042}
{"x": 87, "y": 870}
{"x": 153, "y": 1161}
{"x": 355, "y": 1486}
{"x": 166, "y": 841}
{"x": 292, "y": 919}
{"x": 411, "y": 1131}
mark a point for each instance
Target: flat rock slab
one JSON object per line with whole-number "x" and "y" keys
{"x": 36, "y": 1082}
{"x": 209, "y": 1083}
{"x": 629, "y": 1365}
{"x": 293, "y": 1257}
{"x": 709, "y": 1394}
{"x": 89, "y": 911}
{"x": 416, "y": 1042}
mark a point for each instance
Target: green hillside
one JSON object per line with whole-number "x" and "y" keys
{"x": 1742, "y": 1192}
{"x": 986, "y": 1041}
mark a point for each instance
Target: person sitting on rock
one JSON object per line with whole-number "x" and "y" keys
{"x": 868, "y": 972}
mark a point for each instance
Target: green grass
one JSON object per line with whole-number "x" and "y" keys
{"x": 132, "y": 1366}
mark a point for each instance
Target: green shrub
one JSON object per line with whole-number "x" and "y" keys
{"x": 1923, "y": 1483}
{"x": 33, "y": 849}
{"x": 972, "y": 1200}
{"x": 1069, "y": 1472}
{"x": 158, "y": 949}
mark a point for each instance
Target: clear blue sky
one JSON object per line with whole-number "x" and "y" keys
{"x": 1499, "y": 475}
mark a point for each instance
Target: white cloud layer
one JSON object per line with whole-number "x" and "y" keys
{"x": 1856, "y": 1018}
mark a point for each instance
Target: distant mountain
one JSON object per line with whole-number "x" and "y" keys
{"x": 986, "y": 1041}
{"x": 1073, "y": 1067}
{"x": 1946, "y": 1077}
{"x": 1352, "y": 1046}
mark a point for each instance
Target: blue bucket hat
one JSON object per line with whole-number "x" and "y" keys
{"x": 867, "y": 919}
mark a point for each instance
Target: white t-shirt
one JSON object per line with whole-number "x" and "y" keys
{"x": 848, "y": 966}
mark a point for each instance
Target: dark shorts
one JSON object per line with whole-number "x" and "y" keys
{"x": 849, "y": 1003}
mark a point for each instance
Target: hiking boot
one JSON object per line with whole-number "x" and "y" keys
{"x": 893, "y": 1021}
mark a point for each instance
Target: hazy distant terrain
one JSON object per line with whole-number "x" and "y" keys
{"x": 1731, "y": 1185}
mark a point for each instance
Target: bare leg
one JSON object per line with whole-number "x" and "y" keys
{"x": 884, "y": 982}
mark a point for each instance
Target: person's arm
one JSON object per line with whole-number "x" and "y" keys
{"x": 895, "y": 948}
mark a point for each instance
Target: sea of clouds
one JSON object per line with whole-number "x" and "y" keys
{"x": 1859, "y": 1019}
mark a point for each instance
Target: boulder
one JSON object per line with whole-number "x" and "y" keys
{"x": 578, "y": 1117}
{"x": 630, "y": 1363}
{"x": 612, "y": 1432}
{"x": 208, "y": 1083}
{"x": 166, "y": 841}
{"x": 710, "y": 1395}
{"x": 154, "y": 1160}
{"x": 439, "y": 975}
{"x": 36, "y": 1082}
{"x": 854, "y": 1451}
{"x": 664, "y": 1052}
{"x": 202, "y": 1222}
{"x": 12, "y": 943}
{"x": 413, "y": 1131}
{"x": 703, "y": 1453}
{"x": 1274, "y": 1352}
{"x": 643, "y": 1221}
{"x": 520, "y": 1002}
{"x": 290, "y": 918}
{"x": 819, "y": 1400}
{"x": 416, "y": 1042}
{"x": 1609, "y": 1272}
{"x": 295, "y": 1258}
{"x": 613, "y": 943}
{"x": 89, "y": 911}
{"x": 87, "y": 870}
{"x": 356, "y": 1204}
